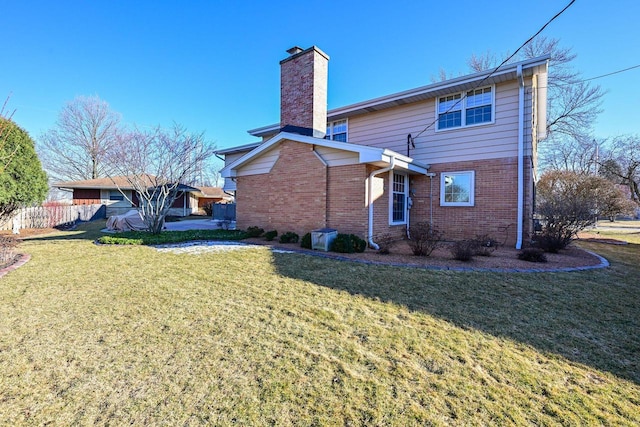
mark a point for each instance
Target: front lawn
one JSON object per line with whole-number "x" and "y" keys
{"x": 102, "y": 334}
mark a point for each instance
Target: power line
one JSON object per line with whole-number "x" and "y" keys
{"x": 498, "y": 67}
{"x": 592, "y": 78}
{"x": 612, "y": 73}
{"x": 600, "y": 76}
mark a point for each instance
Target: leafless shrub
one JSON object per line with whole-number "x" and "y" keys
{"x": 424, "y": 238}
{"x": 463, "y": 250}
{"x": 385, "y": 241}
{"x": 7, "y": 249}
{"x": 484, "y": 245}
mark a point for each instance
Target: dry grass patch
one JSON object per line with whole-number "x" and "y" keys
{"x": 126, "y": 335}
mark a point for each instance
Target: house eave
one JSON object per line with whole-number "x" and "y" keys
{"x": 458, "y": 84}
{"x": 238, "y": 148}
{"x": 366, "y": 154}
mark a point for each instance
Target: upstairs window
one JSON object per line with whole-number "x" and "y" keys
{"x": 475, "y": 108}
{"x": 337, "y": 130}
{"x": 479, "y": 104}
{"x": 450, "y": 111}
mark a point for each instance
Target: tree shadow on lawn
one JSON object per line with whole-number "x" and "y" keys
{"x": 590, "y": 317}
{"x": 84, "y": 231}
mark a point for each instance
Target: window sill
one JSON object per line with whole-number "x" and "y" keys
{"x": 466, "y": 127}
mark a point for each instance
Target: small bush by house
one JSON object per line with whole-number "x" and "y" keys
{"x": 289, "y": 237}
{"x": 463, "y": 250}
{"x": 424, "y": 238}
{"x": 254, "y": 231}
{"x": 270, "y": 235}
{"x": 348, "y": 244}
{"x": 532, "y": 255}
{"x": 385, "y": 241}
{"x": 484, "y": 245}
{"x": 305, "y": 242}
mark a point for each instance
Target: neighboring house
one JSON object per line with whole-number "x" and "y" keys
{"x": 472, "y": 170}
{"x": 107, "y": 191}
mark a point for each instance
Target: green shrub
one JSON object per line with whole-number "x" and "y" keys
{"x": 111, "y": 240}
{"x": 270, "y": 235}
{"x": 424, "y": 238}
{"x": 255, "y": 231}
{"x": 208, "y": 209}
{"x": 348, "y": 244}
{"x": 305, "y": 242}
{"x": 532, "y": 255}
{"x": 146, "y": 238}
{"x": 463, "y": 250}
{"x": 289, "y": 237}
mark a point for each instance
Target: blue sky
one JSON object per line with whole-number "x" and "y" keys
{"x": 213, "y": 66}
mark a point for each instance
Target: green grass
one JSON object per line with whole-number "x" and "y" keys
{"x": 145, "y": 238}
{"x": 628, "y": 231}
{"x": 127, "y": 335}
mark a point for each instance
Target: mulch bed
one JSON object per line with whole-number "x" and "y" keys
{"x": 503, "y": 258}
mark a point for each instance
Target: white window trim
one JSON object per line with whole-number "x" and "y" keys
{"x": 330, "y": 125}
{"x": 472, "y": 183}
{"x": 463, "y": 109}
{"x": 406, "y": 196}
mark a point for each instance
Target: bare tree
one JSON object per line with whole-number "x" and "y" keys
{"x": 484, "y": 61}
{"x": 158, "y": 165}
{"x": 622, "y": 161}
{"x": 568, "y": 202}
{"x": 78, "y": 146}
{"x": 573, "y": 103}
{"x": 579, "y": 155}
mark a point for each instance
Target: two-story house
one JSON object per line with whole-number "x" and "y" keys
{"x": 460, "y": 154}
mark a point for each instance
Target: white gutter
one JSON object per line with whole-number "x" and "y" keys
{"x": 520, "y": 157}
{"x": 392, "y": 164}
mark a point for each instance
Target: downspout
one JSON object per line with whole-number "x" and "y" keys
{"x": 326, "y": 186}
{"x": 392, "y": 164}
{"x": 431, "y": 175}
{"x": 519, "y": 223}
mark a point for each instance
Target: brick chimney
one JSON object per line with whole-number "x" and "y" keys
{"x": 303, "y": 92}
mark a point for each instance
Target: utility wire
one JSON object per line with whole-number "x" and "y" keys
{"x": 597, "y": 77}
{"x": 612, "y": 73}
{"x": 591, "y": 78}
{"x": 497, "y": 68}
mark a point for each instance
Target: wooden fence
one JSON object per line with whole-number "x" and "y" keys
{"x": 53, "y": 215}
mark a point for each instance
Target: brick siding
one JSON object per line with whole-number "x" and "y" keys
{"x": 300, "y": 194}
{"x": 303, "y": 91}
{"x": 495, "y": 205}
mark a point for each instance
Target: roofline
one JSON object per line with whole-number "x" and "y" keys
{"x": 239, "y": 148}
{"x": 366, "y": 153}
{"x": 422, "y": 90}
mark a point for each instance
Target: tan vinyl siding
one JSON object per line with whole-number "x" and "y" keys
{"x": 335, "y": 157}
{"x": 389, "y": 129}
{"x": 261, "y": 164}
{"x": 528, "y": 128}
{"x": 229, "y": 184}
